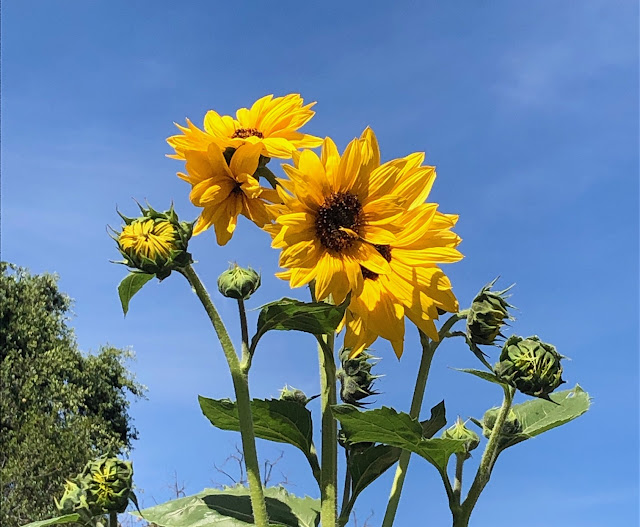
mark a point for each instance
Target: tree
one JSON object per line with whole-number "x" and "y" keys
{"x": 58, "y": 407}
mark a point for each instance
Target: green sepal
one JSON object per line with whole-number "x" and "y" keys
{"x": 130, "y": 285}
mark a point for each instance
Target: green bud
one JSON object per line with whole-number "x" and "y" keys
{"x": 511, "y": 428}
{"x": 155, "y": 243}
{"x": 530, "y": 365}
{"x": 461, "y": 432}
{"x": 109, "y": 483}
{"x": 487, "y": 315}
{"x": 239, "y": 283}
{"x": 288, "y": 393}
{"x": 356, "y": 380}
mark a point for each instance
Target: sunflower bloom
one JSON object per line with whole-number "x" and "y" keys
{"x": 148, "y": 239}
{"x": 226, "y": 190}
{"x": 335, "y": 210}
{"x": 415, "y": 287}
{"x": 272, "y": 123}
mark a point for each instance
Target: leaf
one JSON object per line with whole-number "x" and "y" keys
{"x": 273, "y": 420}
{"x": 436, "y": 422}
{"x": 130, "y": 285}
{"x": 486, "y": 375}
{"x": 366, "y": 466}
{"x": 231, "y": 507}
{"x": 287, "y": 314}
{"x": 67, "y": 518}
{"x": 537, "y": 415}
{"x": 385, "y": 425}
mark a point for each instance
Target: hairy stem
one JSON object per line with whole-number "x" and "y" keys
{"x": 428, "y": 351}
{"x": 345, "y": 510}
{"x": 486, "y": 463}
{"x": 243, "y": 399}
{"x": 329, "y": 449}
{"x": 457, "y": 482}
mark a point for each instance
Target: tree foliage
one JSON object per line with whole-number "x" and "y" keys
{"x": 58, "y": 407}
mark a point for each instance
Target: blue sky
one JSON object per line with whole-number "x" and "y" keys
{"x": 528, "y": 110}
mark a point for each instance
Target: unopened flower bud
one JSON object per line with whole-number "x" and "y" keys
{"x": 288, "y": 393}
{"x": 109, "y": 483}
{"x": 356, "y": 380}
{"x": 530, "y": 365}
{"x": 238, "y": 282}
{"x": 510, "y": 429}
{"x": 460, "y": 432}
{"x": 155, "y": 243}
{"x": 487, "y": 315}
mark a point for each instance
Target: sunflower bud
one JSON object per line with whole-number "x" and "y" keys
{"x": 530, "y": 365}
{"x": 487, "y": 315}
{"x": 238, "y": 282}
{"x": 510, "y": 429}
{"x": 103, "y": 486}
{"x": 288, "y": 393}
{"x": 356, "y": 381}
{"x": 461, "y": 432}
{"x": 109, "y": 482}
{"x": 156, "y": 242}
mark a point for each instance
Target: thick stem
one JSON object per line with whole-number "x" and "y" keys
{"x": 245, "y": 363}
{"x": 243, "y": 399}
{"x": 113, "y": 519}
{"x": 457, "y": 482}
{"x": 329, "y": 449}
{"x": 488, "y": 457}
{"x": 345, "y": 510}
{"x": 428, "y": 351}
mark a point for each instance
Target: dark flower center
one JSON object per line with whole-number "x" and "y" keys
{"x": 385, "y": 251}
{"x": 243, "y": 133}
{"x": 339, "y": 210}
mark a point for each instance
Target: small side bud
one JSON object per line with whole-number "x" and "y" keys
{"x": 488, "y": 313}
{"x": 356, "y": 380}
{"x": 530, "y": 365}
{"x": 238, "y": 283}
{"x": 461, "y": 432}
{"x": 288, "y": 393}
{"x": 510, "y": 429}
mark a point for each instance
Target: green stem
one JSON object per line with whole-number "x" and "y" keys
{"x": 457, "y": 482}
{"x": 113, "y": 519}
{"x": 245, "y": 363}
{"x": 243, "y": 399}
{"x": 486, "y": 463}
{"x": 345, "y": 510}
{"x": 329, "y": 449}
{"x": 428, "y": 350}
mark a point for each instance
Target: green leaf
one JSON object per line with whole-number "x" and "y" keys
{"x": 385, "y": 425}
{"x": 130, "y": 285}
{"x": 537, "y": 415}
{"x": 436, "y": 422}
{"x": 231, "y": 507}
{"x": 273, "y": 420}
{"x": 288, "y": 314}
{"x": 366, "y": 466}
{"x": 67, "y": 518}
{"x": 485, "y": 375}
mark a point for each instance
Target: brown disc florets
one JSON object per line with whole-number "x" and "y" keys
{"x": 243, "y": 133}
{"x": 340, "y": 210}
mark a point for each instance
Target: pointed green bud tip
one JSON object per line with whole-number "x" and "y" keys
{"x": 238, "y": 282}
{"x": 488, "y": 313}
{"x": 288, "y": 393}
{"x": 155, "y": 242}
{"x": 530, "y": 365}
{"x": 356, "y": 380}
{"x": 460, "y": 432}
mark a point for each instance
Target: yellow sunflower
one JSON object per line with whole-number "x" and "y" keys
{"x": 334, "y": 210}
{"x": 415, "y": 287}
{"x": 226, "y": 190}
{"x": 148, "y": 239}
{"x": 271, "y": 123}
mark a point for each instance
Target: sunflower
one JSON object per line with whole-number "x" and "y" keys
{"x": 225, "y": 190}
{"x": 415, "y": 287}
{"x": 335, "y": 210}
{"x": 270, "y": 123}
{"x": 148, "y": 239}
